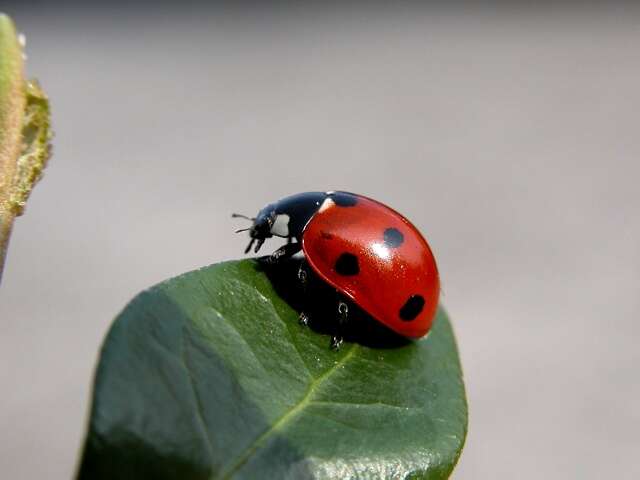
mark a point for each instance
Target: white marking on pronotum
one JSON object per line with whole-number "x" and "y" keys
{"x": 328, "y": 202}
{"x": 280, "y": 227}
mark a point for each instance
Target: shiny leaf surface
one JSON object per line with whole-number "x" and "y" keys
{"x": 209, "y": 375}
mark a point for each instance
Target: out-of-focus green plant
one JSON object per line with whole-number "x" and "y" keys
{"x": 24, "y": 132}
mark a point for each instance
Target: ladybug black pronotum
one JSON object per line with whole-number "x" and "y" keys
{"x": 365, "y": 250}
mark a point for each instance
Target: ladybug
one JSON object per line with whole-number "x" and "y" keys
{"x": 369, "y": 253}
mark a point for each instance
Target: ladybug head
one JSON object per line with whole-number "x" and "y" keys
{"x": 261, "y": 228}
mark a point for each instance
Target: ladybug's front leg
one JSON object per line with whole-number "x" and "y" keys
{"x": 284, "y": 252}
{"x": 343, "y": 317}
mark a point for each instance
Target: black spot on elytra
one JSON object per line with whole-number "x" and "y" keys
{"x": 412, "y": 307}
{"x": 343, "y": 199}
{"x": 393, "y": 237}
{"x": 347, "y": 264}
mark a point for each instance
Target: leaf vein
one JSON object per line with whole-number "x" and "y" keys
{"x": 288, "y": 415}
{"x": 245, "y": 342}
{"x": 404, "y": 408}
{"x": 281, "y": 320}
{"x": 192, "y": 384}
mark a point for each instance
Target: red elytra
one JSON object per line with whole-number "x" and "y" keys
{"x": 365, "y": 250}
{"x": 392, "y": 268}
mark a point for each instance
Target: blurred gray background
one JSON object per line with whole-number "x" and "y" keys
{"x": 508, "y": 135}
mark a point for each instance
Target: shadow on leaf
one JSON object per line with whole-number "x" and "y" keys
{"x": 321, "y": 305}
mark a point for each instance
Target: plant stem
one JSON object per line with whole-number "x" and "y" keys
{"x": 12, "y": 103}
{"x": 6, "y": 225}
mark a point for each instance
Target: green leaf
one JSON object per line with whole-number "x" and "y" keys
{"x": 209, "y": 375}
{"x": 24, "y": 132}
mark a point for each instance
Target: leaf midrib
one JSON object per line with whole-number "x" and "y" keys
{"x": 287, "y": 416}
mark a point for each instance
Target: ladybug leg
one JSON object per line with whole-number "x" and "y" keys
{"x": 343, "y": 316}
{"x": 285, "y": 251}
{"x": 303, "y": 277}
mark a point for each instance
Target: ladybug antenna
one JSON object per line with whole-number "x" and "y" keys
{"x": 258, "y": 245}
{"x": 239, "y": 215}
{"x": 243, "y": 230}
{"x": 246, "y": 250}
